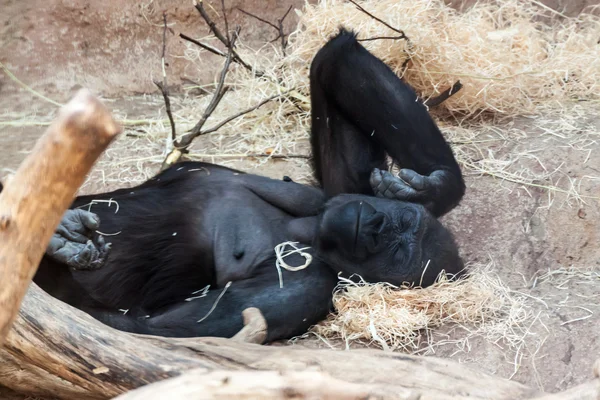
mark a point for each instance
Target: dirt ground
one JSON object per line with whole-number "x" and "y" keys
{"x": 524, "y": 231}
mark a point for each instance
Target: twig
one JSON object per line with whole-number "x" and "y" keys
{"x": 226, "y": 24}
{"x": 218, "y": 95}
{"x": 279, "y": 27}
{"x": 399, "y": 31}
{"x": 252, "y": 155}
{"x": 445, "y": 95}
{"x": 215, "y": 30}
{"x": 382, "y": 38}
{"x": 163, "y": 86}
{"x": 205, "y": 46}
{"x": 246, "y": 111}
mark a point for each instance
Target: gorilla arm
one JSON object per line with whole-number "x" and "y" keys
{"x": 293, "y": 198}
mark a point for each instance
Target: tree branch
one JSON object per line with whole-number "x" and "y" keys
{"x": 445, "y": 95}
{"x": 279, "y": 27}
{"x": 33, "y": 202}
{"x": 246, "y": 111}
{"x": 163, "y": 86}
{"x": 205, "y": 46}
{"x": 399, "y": 31}
{"x": 215, "y": 30}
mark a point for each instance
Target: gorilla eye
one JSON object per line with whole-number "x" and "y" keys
{"x": 407, "y": 219}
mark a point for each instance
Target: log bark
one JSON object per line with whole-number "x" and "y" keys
{"x": 56, "y": 350}
{"x": 264, "y": 385}
{"x": 33, "y": 202}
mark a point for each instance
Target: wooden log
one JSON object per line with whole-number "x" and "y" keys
{"x": 33, "y": 202}
{"x": 264, "y": 385}
{"x": 56, "y": 350}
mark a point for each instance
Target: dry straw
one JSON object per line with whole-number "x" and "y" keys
{"x": 507, "y": 55}
{"x": 393, "y": 318}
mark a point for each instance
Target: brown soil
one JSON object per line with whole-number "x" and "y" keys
{"x": 113, "y": 48}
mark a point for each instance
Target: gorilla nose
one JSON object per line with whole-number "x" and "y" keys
{"x": 351, "y": 224}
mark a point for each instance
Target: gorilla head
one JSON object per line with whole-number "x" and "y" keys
{"x": 385, "y": 240}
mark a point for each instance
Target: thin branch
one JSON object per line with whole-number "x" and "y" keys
{"x": 258, "y": 18}
{"x": 205, "y": 46}
{"x": 254, "y": 155}
{"x": 220, "y": 91}
{"x": 401, "y": 35}
{"x": 226, "y": 24}
{"x": 215, "y": 30}
{"x": 279, "y": 27}
{"x": 399, "y": 31}
{"x": 246, "y": 111}
{"x": 445, "y": 95}
{"x": 284, "y": 40}
{"x": 163, "y": 86}
{"x": 382, "y": 38}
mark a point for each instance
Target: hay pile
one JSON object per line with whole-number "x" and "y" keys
{"x": 393, "y": 318}
{"x": 506, "y": 57}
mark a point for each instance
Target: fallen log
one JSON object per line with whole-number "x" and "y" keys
{"x": 33, "y": 202}
{"x": 57, "y": 350}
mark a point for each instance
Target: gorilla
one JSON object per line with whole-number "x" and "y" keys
{"x": 194, "y": 246}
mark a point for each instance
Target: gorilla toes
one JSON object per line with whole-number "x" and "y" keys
{"x": 75, "y": 242}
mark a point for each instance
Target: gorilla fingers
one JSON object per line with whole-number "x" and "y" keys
{"x": 75, "y": 242}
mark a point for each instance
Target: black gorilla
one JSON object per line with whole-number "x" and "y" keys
{"x": 197, "y": 224}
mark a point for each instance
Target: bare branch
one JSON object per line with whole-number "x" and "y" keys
{"x": 279, "y": 27}
{"x": 399, "y": 31}
{"x": 255, "y": 327}
{"x": 382, "y": 38}
{"x": 163, "y": 86}
{"x": 445, "y": 95}
{"x": 205, "y": 46}
{"x": 258, "y": 18}
{"x": 246, "y": 111}
{"x": 401, "y": 35}
{"x": 226, "y": 24}
{"x": 215, "y": 30}
{"x": 218, "y": 95}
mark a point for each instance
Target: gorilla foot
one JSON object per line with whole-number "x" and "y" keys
{"x": 75, "y": 242}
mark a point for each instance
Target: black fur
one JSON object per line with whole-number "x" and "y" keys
{"x": 199, "y": 224}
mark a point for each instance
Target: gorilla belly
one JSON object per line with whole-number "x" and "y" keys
{"x": 245, "y": 240}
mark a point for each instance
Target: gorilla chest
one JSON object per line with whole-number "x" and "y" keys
{"x": 245, "y": 238}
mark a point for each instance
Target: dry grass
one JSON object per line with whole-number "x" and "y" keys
{"x": 393, "y": 318}
{"x": 507, "y": 60}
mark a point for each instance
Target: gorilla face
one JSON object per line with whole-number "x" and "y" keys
{"x": 385, "y": 240}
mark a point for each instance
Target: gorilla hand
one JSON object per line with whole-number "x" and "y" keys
{"x": 413, "y": 187}
{"x": 75, "y": 243}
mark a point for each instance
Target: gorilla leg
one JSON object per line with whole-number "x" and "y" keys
{"x": 304, "y": 300}
{"x": 361, "y": 109}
